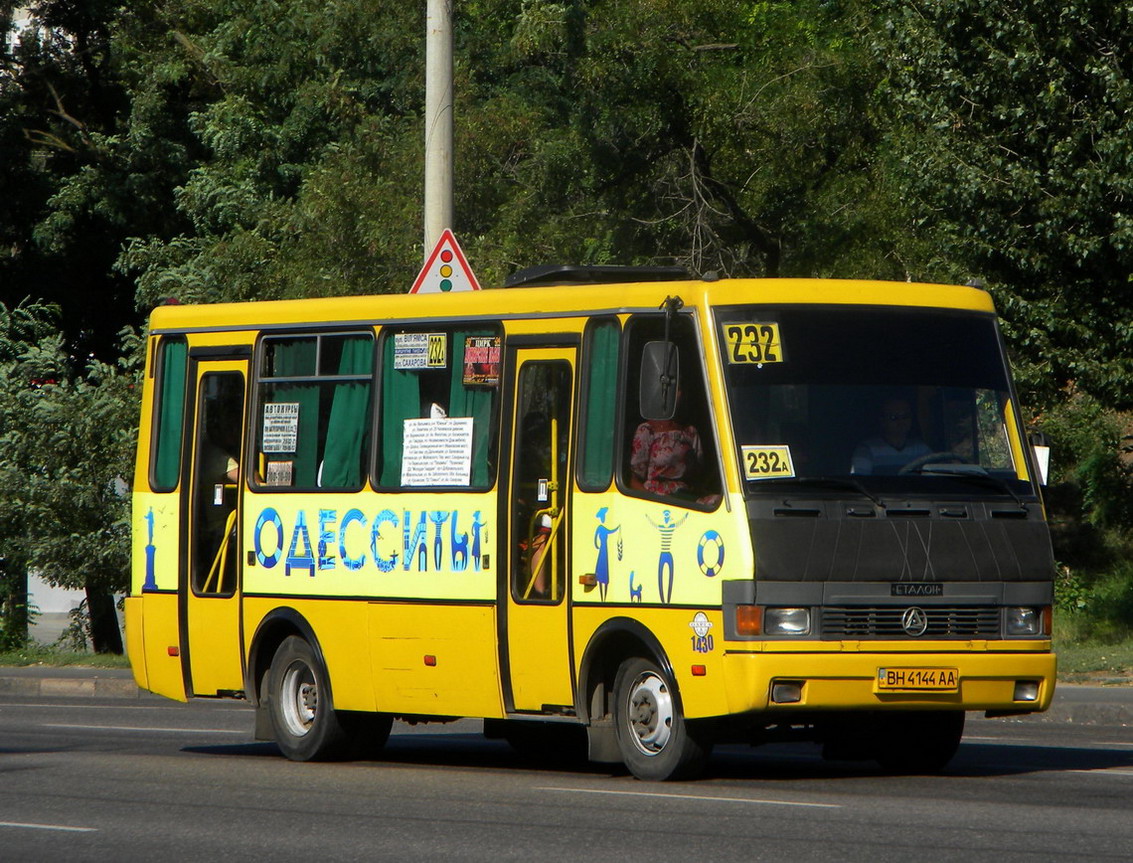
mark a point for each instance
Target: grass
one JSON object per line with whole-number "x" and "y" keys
{"x": 1092, "y": 662}
{"x": 42, "y": 654}
{"x": 1086, "y": 655}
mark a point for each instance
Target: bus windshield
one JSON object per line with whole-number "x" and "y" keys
{"x": 885, "y": 400}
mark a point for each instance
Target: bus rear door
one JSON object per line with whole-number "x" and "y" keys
{"x": 535, "y": 639}
{"x": 210, "y": 571}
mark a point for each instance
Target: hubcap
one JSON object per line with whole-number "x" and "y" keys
{"x": 650, "y": 713}
{"x": 299, "y": 698}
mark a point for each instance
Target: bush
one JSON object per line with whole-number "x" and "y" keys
{"x": 1098, "y": 609}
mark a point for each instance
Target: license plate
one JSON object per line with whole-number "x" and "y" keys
{"x": 918, "y": 679}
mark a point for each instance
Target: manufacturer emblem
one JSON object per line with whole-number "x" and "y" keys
{"x": 914, "y": 621}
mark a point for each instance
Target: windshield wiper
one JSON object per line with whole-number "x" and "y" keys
{"x": 831, "y": 482}
{"x": 973, "y": 473}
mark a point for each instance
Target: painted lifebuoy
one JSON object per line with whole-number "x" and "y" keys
{"x": 712, "y": 561}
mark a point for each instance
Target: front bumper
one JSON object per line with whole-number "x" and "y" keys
{"x": 988, "y": 679}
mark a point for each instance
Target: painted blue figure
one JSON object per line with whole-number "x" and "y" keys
{"x": 477, "y": 526}
{"x": 151, "y": 550}
{"x": 459, "y": 542}
{"x": 438, "y": 518}
{"x": 417, "y": 545}
{"x": 602, "y": 565}
{"x": 634, "y": 590}
{"x": 667, "y": 528}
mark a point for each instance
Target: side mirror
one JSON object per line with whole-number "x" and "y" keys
{"x": 660, "y": 373}
{"x": 1041, "y": 450}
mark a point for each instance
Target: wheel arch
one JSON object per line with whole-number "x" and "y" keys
{"x": 612, "y": 643}
{"x": 273, "y": 628}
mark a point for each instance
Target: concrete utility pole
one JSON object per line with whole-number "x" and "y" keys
{"x": 438, "y": 121}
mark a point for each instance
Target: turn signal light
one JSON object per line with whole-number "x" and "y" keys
{"x": 749, "y": 620}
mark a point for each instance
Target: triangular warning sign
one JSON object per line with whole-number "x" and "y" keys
{"x": 446, "y": 269}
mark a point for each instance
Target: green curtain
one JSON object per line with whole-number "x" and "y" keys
{"x": 171, "y": 414}
{"x": 296, "y": 358}
{"x": 601, "y": 385}
{"x": 349, "y": 423}
{"x": 401, "y": 400}
{"x": 475, "y": 402}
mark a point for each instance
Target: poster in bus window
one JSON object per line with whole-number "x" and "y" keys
{"x": 416, "y": 351}
{"x": 482, "y": 361}
{"x": 281, "y": 427}
{"x": 280, "y": 473}
{"x": 437, "y": 452}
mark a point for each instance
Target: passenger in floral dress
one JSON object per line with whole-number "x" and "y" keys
{"x": 665, "y": 456}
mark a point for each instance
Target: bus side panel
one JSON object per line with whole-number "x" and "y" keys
{"x": 435, "y": 659}
{"x": 157, "y": 615}
{"x": 677, "y": 629}
{"x": 135, "y": 642}
{"x": 152, "y": 628}
{"x": 339, "y": 627}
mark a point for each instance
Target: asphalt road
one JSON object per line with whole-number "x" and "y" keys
{"x": 142, "y": 779}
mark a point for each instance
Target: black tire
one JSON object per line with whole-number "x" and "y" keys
{"x": 304, "y": 720}
{"x": 655, "y": 740}
{"x": 368, "y": 732}
{"x": 912, "y": 743}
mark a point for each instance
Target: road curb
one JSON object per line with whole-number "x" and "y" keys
{"x": 1083, "y": 714}
{"x": 70, "y": 687}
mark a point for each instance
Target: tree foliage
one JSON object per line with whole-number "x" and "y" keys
{"x": 1016, "y": 139}
{"x": 66, "y": 443}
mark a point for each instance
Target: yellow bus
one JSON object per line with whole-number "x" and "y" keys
{"x": 626, "y": 507}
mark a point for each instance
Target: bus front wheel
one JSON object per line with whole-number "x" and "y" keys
{"x": 303, "y": 718}
{"x": 655, "y": 740}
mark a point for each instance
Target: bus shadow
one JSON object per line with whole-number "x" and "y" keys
{"x": 434, "y": 750}
{"x": 973, "y": 760}
{"x": 782, "y": 762}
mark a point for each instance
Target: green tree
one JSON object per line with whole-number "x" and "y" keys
{"x": 724, "y": 135}
{"x": 23, "y": 324}
{"x": 64, "y": 208}
{"x": 1015, "y": 124}
{"x": 66, "y": 446}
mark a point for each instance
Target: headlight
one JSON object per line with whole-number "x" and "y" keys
{"x": 1024, "y": 621}
{"x": 786, "y": 621}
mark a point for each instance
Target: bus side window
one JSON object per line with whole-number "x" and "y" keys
{"x": 169, "y": 414}
{"x": 313, "y": 410}
{"x": 439, "y": 407}
{"x": 673, "y": 458}
{"x": 599, "y": 372}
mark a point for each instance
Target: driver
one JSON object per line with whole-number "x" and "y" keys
{"x": 894, "y": 447}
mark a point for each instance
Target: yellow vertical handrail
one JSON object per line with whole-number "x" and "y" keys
{"x": 221, "y": 558}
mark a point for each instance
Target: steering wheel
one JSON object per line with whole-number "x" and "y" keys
{"x": 943, "y": 457}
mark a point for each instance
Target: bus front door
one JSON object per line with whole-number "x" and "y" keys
{"x": 535, "y": 634}
{"x": 210, "y": 576}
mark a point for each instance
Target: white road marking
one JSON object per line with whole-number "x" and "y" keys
{"x": 140, "y": 728}
{"x": 59, "y": 827}
{"x": 695, "y": 797}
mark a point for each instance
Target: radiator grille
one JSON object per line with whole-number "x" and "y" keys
{"x": 885, "y": 622}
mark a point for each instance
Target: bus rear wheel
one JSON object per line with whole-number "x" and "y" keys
{"x": 656, "y": 741}
{"x": 306, "y": 726}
